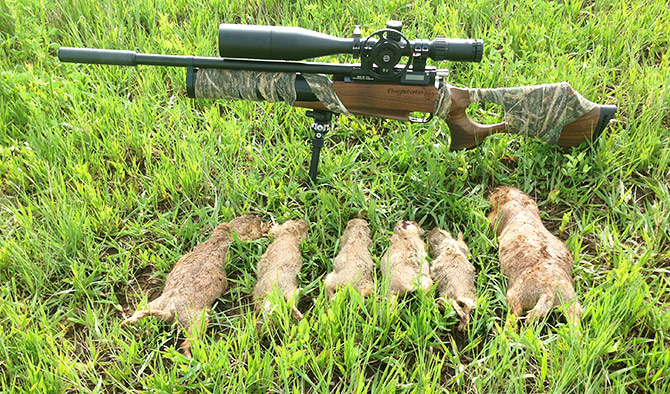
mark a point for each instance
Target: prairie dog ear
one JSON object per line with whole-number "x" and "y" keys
{"x": 462, "y": 245}
{"x": 529, "y": 203}
{"x": 301, "y": 228}
{"x": 437, "y": 235}
{"x": 297, "y": 227}
{"x": 221, "y": 228}
{"x": 274, "y": 230}
{"x": 419, "y": 230}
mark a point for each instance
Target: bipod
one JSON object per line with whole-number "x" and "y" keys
{"x": 320, "y": 126}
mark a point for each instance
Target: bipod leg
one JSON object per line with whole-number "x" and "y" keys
{"x": 320, "y": 126}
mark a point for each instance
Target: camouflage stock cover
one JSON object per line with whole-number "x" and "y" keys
{"x": 443, "y": 102}
{"x": 322, "y": 87}
{"x": 245, "y": 85}
{"x": 537, "y": 111}
{"x": 263, "y": 86}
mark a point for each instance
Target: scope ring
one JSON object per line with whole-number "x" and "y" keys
{"x": 369, "y": 55}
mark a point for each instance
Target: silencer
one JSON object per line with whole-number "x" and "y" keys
{"x": 97, "y": 56}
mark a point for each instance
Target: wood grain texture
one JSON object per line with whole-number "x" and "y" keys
{"x": 580, "y": 130}
{"x": 381, "y": 100}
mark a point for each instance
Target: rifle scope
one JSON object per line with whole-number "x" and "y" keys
{"x": 295, "y": 43}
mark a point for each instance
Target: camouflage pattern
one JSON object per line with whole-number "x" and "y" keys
{"x": 537, "y": 111}
{"x": 245, "y": 85}
{"x": 322, "y": 87}
{"x": 443, "y": 102}
{"x": 264, "y": 86}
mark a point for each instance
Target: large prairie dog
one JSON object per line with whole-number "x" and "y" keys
{"x": 353, "y": 265}
{"x": 453, "y": 272}
{"x": 280, "y": 264}
{"x": 405, "y": 262}
{"x": 538, "y": 265}
{"x": 199, "y": 278}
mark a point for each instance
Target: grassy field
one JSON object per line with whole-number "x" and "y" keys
{"x": 108, "y": 175}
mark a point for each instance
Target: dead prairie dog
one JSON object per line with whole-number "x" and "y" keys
{"x": 199, "y": 278}
{"x": 280, "y": 264}
{"x": 538, "y": 265}
{"x": 405, "y": 263}
{"x": 453, "y": 272}
{"x": 354, "y": 263}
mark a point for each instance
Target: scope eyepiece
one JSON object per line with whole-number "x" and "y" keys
{"x": 455, "y": 49}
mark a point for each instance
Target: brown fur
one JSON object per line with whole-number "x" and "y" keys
{"x": 405, "y": 260}
{"x": 453, "y": 272}
{"x": 354, "y": 263}
{"x": 537, "y": 264}
{"x": 198, "y": 279}
{"x": 280, "y": 264}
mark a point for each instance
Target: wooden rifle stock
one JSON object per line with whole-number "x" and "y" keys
{"x": 399, "y": 101}
{"x": 465, "y": 133}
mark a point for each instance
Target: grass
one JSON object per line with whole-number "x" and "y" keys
{"x": 110, "y": 174}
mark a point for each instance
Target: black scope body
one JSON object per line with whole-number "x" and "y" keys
{"x": 295, "y": 43}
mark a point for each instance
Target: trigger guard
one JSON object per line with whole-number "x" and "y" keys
{"x": 420, "y": 120}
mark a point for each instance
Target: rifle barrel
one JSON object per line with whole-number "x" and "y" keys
{"x": 131, "y": 58}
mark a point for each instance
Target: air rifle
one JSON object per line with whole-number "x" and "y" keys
{"x": 259, "y": 63}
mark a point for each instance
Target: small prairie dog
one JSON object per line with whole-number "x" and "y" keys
{"x": 453, "y": 272}
{"x": 405, "y": 262}
{"x": 199, "y": 279}
{"x": 280, "y": 264}
{"x": 538, "y": 265}
{"x": 353, "y": 265}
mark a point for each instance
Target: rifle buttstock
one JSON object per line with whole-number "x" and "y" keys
{"x": 465, "y": 133}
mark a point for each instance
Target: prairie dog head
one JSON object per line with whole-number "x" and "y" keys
{"x": 439, "y": 239}
{"x": 247, "y": 227}
{"x": 356, "y": 228}
{"x": 408, "y": 228}
{"x": 506, "y": 202}
{"x": 295, "y": 227}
